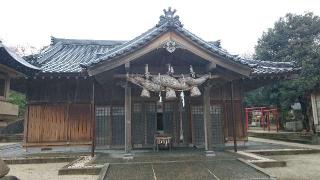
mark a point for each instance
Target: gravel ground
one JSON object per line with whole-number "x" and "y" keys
{"x": 299, "y": 167}
{"x": 44, "y": 172}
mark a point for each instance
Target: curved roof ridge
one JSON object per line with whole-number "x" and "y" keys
{"x": 55, "y": 40}
{"x": 15, "y": 61}
{"x": 127, "y": 46}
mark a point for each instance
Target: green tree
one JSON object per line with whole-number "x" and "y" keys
{"x": 18, "y": 99}
{"x": 294, "y": 38}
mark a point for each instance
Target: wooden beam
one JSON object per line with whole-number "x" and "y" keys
{"x": 124, "y": 76}
{"x": 211, "y": 66}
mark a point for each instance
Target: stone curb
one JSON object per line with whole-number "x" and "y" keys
{"x": 257, "y": 168}
{"x": 103, "y": 172}
{"x": 38, "y": 160}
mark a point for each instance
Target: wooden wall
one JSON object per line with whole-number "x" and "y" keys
{"x": 59, "y": 112}
{"x": 222, "y": 95}
{"x": 59, "y": 123}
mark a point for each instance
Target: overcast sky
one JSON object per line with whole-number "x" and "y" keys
{"x": 238, "y": 23}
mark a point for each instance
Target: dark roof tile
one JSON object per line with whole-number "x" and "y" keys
{"x": 70, "y": 55}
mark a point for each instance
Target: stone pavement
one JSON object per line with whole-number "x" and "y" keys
{"x": 180, "y": 164}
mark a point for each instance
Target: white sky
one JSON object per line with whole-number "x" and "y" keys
{"x": 238, "y": 23}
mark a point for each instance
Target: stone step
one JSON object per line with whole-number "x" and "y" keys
{"x": 11, "y": 137}
{"x": 291, "y": 137}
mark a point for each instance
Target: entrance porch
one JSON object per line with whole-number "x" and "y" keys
{"x": 124, "y": 119}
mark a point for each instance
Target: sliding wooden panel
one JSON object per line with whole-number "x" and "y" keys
{"x": 59, "y": 123}
{"x": 47, "y": 123}
{"x": 79, "y": 122}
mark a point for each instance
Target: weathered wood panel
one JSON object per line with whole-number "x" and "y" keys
{"x": 59, "y": 123}
{"x": 80, "y": 122}
{"x": 63, "y": 90}
{"x": 228, "y": 123}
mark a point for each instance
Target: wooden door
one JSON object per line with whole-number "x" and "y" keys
{"x": 216, "y": 114}
{"x": 197, "y": 124}
{"x": 151, "y": 117}
{"x": 168, "y": 117}
{"x": 103, "y": 117}
{"x": 118, "y": 126}
{"x": 138, "y": 124}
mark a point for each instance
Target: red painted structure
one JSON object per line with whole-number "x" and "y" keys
{"x": 265, "y": 116}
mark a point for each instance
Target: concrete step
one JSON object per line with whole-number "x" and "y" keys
{"x": 11, "y": 137}
{"x": 290, "y": 137}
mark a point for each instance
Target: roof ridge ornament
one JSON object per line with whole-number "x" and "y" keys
{"x": 170, "y": 17}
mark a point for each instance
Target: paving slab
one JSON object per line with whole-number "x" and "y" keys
{"x": 182, "y": 171}
{"x": 130, "y": 172}
{"x": 234, "y": 169}
{"x": 299, "y": 167}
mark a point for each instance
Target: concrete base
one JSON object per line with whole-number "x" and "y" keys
{"x": 57, "y": 149}
{"x": 210, "y": 153}
{"x": 127, "y": 156}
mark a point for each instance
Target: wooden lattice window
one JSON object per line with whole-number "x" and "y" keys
{"x": 118, "y": 110}
{"x": 103, "y": 115}
{"x": 150, "y": 107}
{"x": 216, "y": 124}
{"x": 215, "y": 109}
{"x": 118, "y": 125}
{"x": 103, "y": 111}
{"x": 137, "y": 107}
{"x": 138, "y": 124}
{"x": 198, "y": 127}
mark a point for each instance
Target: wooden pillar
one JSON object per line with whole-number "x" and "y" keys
{"x": 234, "y": 119}
{"x": 93, "y": 122}
{"x": 128, "y": 144}
{"x": 26, "y": 118}
{"x": 207, "y": 119}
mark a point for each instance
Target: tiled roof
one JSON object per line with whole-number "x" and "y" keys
{"x": 68, "y": 55}
{"x": 169, "y": 22}
{"x": 270, "y": 67}
{"x": 14, "y": 61}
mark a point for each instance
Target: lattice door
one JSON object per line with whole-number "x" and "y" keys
{"x": 197, "y": 124}
{"x": 151, "y": 116}
{"x": 216, "y": 112}
{"x": 118, "y": 126}
{"x": 103, "y": 116}
{"x": 168, "y": 117}
{"x": 138, "y": 130}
